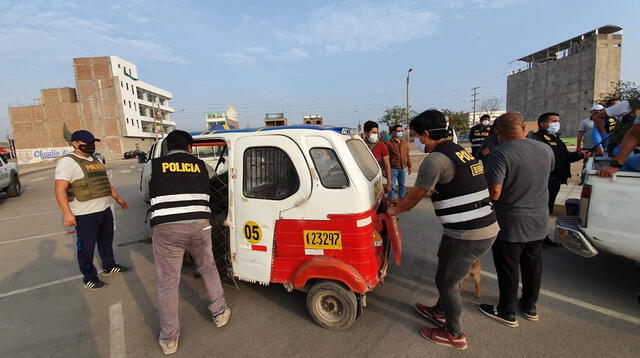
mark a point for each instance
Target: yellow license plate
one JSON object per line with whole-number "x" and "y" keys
{"x": 322, "y": 240}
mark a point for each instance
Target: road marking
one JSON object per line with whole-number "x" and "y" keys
{"x": 132, "y": 166}
{"x": 28, "y": 215}
{"x": 125, "y": 171}
{"x": 37, "y": 179}
{"x": 575, "y": 302}
{"x": 31, "y": 238}
{"x": 32, "y": 288}
{"x": 116, "y": 331}
{"x": 31, "y": 202}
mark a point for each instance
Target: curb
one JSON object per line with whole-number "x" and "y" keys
{"x": 37, "y": 170}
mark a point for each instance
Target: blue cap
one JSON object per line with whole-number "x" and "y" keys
{"x": 83, "y": 136}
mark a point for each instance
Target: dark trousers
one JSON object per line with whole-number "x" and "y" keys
{"x": 455, "y": 258}
{"x": 513, "y": 259}
{"x": 554, "y": 189}
{"x": 92, "y": 229}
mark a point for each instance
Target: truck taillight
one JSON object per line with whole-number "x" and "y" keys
{"x": 377, "y": 238}
{"x": 586, "y": 192}
{"x": 583, "y": 211}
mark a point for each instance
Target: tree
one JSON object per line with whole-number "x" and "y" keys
{"x": 458, "y": 120}
{"x": 621, "y": 90}
{"x": 396, "y": 115}
{"x": 490, "y": 105}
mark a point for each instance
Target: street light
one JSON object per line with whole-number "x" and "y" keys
{"x": 408, "y": 72}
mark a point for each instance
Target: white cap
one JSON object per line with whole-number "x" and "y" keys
{"x": 597, "y": 107}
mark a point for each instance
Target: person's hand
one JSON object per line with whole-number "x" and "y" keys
{"x": 122, "y": 203}
{"x": 69, "y": 220}
{"x": 484, "y": 152}
{"x": 607, "y": 171}
{"x": 410, "y": 170}
{"x": 387, "y": 188}
{"x": 393, "y": 207}
{"x": 586, "y": 154}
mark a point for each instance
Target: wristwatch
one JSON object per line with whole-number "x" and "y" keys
{"x": 614, "y": 163}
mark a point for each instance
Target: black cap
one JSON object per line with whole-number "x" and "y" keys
{"x": 83, "y": 136}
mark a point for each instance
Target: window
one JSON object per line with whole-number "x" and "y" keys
{"x": 125, "y": 70}
{"x": 129, "y": 104}
{"x": 329, "y": 168}
{"x": 127, "y": 86}
{"x": 127, "y": 120}
{"x": 121, "y": 85}
{"x": 132, "y": 91}
{"x": 138, "y": 121}
{"x": 268, "y": 174}
{"x": 135, "y": 106}
{"x": 125, "y": 101}
{"x": 118, "y": 65}
{"x": 364, "y": 158}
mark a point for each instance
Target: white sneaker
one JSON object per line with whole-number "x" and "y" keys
{"x": 222, "y": 318}
{"x": 168, "y": 347}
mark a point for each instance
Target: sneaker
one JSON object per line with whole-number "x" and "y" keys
{"x": 116, "y": 269}
{"x": 530, "y": 313}
{"x": 95, "y": 284}
{"x": 491, "y": 311}
{"x": 222, "y": 318}
{"x": 431, "y": 314}
{"x": 442, "y": 337}
{"x": 168, "y": 347}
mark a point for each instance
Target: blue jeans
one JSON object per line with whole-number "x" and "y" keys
{"x": 397, "y": 181}
{"x": 632, "y": 164}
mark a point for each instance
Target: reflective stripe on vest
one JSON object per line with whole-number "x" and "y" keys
{"x": 178, "y": 197}
{"x": 94, "y": 184}
{"x": 466, "y": 216}
{"x": 461, "y": 200}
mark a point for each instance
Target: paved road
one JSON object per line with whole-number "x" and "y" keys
{"x": 588, "y": 307}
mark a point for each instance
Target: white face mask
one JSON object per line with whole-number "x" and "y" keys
{"x": 485, "y": 123}
{"x": 373, "y": 138}
{"x": 419, "y": 144}
{"x": 554, "y": 128}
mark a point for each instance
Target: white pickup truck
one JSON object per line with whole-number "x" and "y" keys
{"x": 9, "y": 179}
{"x": 606, "y": 218}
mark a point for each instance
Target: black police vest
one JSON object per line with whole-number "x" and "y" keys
{"x": 179, "y": 189}
{"x": 464, "y": 202}
{"x": 478, "y": 133}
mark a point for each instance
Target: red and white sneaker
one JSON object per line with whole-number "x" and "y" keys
{"x": 430, "y": 314}
{"x": 442, "y": 337}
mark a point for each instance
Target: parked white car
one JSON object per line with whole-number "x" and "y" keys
{"x": 9, "y": 179}
{"x": 607, "y": 215}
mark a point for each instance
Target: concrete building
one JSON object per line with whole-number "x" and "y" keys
{"x": 313, "y": 119}
{"x": 275, "y": 120}
{"x": 220, "y": 118}
{"x": 109, "y": 100}
{"x": 567, "y": 77}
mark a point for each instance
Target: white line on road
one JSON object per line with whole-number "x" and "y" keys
{"x": 573, "y": 301}
{"x": 116, "y": 331}
{"x": 32, "y": 288}
{"x": 31, "y": 238}
{"x": 37, "y": 179}
{"x": 125, "y": 171}
{"x": 25, "y": 216}
{"x": 132, "y": 166}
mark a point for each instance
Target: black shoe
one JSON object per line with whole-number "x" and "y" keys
{"x": 491, "y": 311}
{"x": 95, "y": 284}
{"x": 116, "y": 269}
{"x": 529, "y": 312}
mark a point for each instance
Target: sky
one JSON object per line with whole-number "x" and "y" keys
{"x": 345, "y": 60}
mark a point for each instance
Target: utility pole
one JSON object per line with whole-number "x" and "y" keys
{"x": 407, "y": 108}
{"x": 475, "y": 99}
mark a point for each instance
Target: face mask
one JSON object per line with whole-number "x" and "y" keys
{"x": 554, "y": 128}
{"x": 399, "y": 134}
{"x": 87, "y": 148}
{"x": 485, "y": 123}
{"x": 373, "y": 138}
{"x": 419, "y": 144}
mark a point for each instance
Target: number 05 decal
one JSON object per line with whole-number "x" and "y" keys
{"x": 252, "y": 232}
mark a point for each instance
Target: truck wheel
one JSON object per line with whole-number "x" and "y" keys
{"x": 14, "y": 189}
{"x": 332, "y": 305}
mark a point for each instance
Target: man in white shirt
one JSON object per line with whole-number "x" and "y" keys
{"x": 84, "y": 195}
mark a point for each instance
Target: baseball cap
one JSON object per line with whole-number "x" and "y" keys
{"x": 83, "y": 136}
{"x": 597, "y": 107}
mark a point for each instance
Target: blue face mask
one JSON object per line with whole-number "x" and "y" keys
{"x": 399, "y": 134}
{"x": 554, "y": 128}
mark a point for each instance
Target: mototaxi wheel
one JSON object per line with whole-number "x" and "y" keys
{"x": 332, "y": 305}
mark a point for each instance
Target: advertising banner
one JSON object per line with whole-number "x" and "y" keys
{"x": 37, "y": 155}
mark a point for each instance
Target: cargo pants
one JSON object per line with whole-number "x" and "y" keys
{"x": 170, "y": 241}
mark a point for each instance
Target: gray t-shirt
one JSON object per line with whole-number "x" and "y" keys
{"x": 437, "y": 168}
{"x": 586, "y": 126}
{"x": 522, "y": 167}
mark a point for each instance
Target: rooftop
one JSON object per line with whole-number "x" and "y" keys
{"x": 341, "y": 130}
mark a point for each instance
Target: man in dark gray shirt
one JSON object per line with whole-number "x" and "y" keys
{"x": 517, "y": 174}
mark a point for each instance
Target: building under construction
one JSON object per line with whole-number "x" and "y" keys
{"x": 567, "y": 77}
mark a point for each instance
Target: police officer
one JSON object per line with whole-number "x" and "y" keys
{"x": 177, "y": 185}
{"x": 549, "y": 133}
{"x": 84, "y": 195}
{"x": 478, "y": 133}
{"x": 462, "y": 205}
